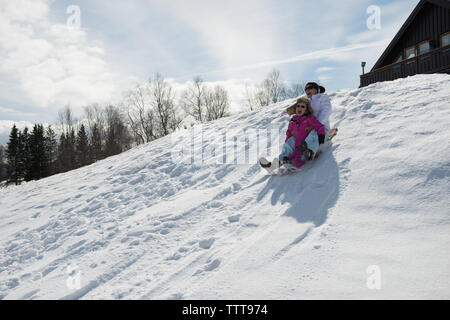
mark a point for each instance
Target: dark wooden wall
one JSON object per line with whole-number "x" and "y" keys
{"x": 429, "y": 24}
{"x": 434, "y": 61}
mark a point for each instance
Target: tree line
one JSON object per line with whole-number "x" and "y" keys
{"x": 148, "y": 112}
{"x": 40, "y": 153}
{"x": 153, "y": 112}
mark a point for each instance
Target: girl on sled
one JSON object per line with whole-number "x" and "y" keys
{"x": 295, "y": 150}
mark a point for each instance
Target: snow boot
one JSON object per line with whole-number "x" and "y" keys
{"x": 307, "y": 154}
{"x": 264, "y": 163}
{"x": 269, "y": 166}
{"x": 275, "y": 164}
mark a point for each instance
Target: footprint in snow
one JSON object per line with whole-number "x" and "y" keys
{"x": 134, "y": 243}
{"x": 234, "y": 218}
{"x": 236, "y": 187}
{"x": 176, "y": 296}
{"x": 135, "y": 233}
{"x": 12, "y": 283}
{"x": 175, "y": 256}
{"x": 30, "y": 295}
{"x": 207, "y": 243}
{"x": 214, "y": 205}
{"x": 213, "y": 265}
{"x": 209, "y": 267}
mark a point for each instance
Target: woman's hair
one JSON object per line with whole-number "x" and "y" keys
{"x": 314, "y": 85}
{"x": 304, "y": 100}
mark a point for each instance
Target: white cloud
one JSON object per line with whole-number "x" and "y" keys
{"x": 324, "y": 69}
{"x": 25, "y": 10}
{"x": 48, "y": 65}
{"x": 331, "y": 54}
{"x": 234, "y": 32}
{"x": 5, "y": 129}
{"x": 17, "y": 113}
{"x": 44, "y": 64}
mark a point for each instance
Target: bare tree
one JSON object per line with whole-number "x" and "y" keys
{"x": 95, "y": 116}
{"x": 140, "y": 115}
{"x": 193, "y": 98}
{"x": 274, "y": 87}
{"x": 257, "y": 97}
{"x": 66, "y": 119}
{"x": 162, "y": 99}
{"x": 271, "y": 90}
{"x": 217, "y": 103}
{"x": 250, "y": 97}
{"x": 262, "y": 96}
{"x": 296, "y": 90}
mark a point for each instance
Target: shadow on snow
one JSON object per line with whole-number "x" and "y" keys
{"x": 311, "y": 192}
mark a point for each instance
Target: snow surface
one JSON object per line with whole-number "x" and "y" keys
{"x": 143, "y": 226}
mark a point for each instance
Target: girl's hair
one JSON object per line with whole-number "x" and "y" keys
{"x": 306, "y": 102}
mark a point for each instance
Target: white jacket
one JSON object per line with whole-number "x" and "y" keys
{"x": 322, "y": 108}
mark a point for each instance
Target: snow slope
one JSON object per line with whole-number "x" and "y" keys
{"x": 373, "y": 210}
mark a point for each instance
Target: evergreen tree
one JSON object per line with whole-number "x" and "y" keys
{"x": 71, "y": 150}
{"x": 25, "y": 155}
{"x": 112, "y": 146}
{"x": 39, "y": 162}
{"x": 13, "y": 156}
{"x": 66, "y": 151}
{"x": 62, "y": 154}
{"x": 51, "y": 149}
{"x": 3, "y": 166}
{"x": 117, "y": 135}
{"x": 82, "y": 148}
{"x": 96, "y": 149}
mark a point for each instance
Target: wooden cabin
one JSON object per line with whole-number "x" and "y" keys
{"x": 421, "y": 46}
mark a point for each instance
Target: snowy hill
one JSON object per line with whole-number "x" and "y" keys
{"x": 146, "y": 225}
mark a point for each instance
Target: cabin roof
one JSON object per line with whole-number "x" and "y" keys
{"x": 408, "y": 22}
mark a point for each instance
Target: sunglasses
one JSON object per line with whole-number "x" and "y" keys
{"x": 309, "y": 88}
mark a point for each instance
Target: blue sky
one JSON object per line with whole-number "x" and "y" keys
{"x": 45, "y": 65}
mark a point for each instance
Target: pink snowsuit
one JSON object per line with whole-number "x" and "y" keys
{"x": 299, "y": 124}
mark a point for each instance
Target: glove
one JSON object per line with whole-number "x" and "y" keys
{"x": 321, "y": 138}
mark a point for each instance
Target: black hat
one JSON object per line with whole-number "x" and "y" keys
{"x": 313, "y": 85}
